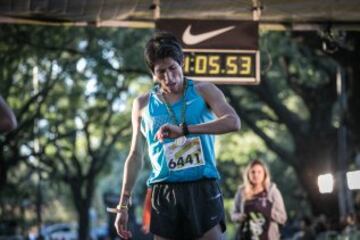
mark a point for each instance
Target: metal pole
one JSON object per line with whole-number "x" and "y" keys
{"x": 344, "y": 194}
{"x": 37, "y": 150}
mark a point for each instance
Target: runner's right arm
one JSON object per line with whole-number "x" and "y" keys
{"x": 135, "y": 157}
{"x": 132, "y": 167}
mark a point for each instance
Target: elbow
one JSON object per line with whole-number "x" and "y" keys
{"x": 238, "y": 123}
{"x": 235, "y": 123}
{"x": 280, "y": 218}
{"x": 136, "y": 158}
{"x": 282, "y": 221}
{"x": 13, "y": 124}
{"x": 8, "y": 125}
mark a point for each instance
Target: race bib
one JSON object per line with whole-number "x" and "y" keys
{"x": 184, "y": 153}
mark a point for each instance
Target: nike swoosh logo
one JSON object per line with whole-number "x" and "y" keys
{"x": 190, "y": 39}
{"x": 190, "y": 101}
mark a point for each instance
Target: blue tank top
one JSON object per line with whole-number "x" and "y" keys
{"x": 156, "y": 115}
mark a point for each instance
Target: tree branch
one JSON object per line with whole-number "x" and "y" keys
{"x": 281, "y": 152}
{"x": 105, "y": 153}
{"x": 267, "y": 94}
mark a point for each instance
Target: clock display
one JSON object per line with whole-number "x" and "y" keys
{"x": 222, "y": 64}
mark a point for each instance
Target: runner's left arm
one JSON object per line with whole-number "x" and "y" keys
{"x": 227, "y": 120}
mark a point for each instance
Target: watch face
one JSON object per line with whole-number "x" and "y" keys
{"x": 180, "y": 140}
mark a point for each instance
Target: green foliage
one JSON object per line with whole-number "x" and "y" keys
{"x": 79, "y": 112}
{"x": 293, "y": 105}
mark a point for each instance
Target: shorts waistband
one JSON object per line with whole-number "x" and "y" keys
{"x": 185, "y": 182}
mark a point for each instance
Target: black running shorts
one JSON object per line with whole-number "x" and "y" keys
{"x": 186, "y": 210}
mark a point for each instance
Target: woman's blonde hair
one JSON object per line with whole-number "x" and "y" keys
{"x": 247, "y": 184}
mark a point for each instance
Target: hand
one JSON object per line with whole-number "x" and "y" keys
{"x": 121, "y": 223}
{"x": 168, "y": 131}
{"x": 238, "y": 217}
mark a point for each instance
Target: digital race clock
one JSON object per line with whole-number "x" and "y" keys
{"x": 222, "y": 65}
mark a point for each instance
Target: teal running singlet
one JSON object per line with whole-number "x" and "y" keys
{"x": 172, "y": 161}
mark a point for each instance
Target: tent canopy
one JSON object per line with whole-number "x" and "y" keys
{"x": 142, "y": 13}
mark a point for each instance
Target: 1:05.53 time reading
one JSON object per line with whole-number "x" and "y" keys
{"x": 220, "y": 64}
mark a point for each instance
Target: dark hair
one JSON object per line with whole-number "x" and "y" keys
{"x": 162, "y": 45}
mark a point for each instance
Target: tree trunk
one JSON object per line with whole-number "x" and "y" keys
{"x": 84, "y": 222}
{"x": 82, "y": 191}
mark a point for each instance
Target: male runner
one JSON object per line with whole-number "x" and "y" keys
{"x": 178, "y": 120}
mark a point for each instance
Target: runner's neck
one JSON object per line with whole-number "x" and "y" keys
{"x": 172, "y": 97}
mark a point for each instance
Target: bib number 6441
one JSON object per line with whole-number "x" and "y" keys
{"x": 191, "y": 160}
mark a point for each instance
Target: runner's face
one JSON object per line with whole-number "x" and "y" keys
{"x": 256, "y": 175}
{"x": 169, "y": 74}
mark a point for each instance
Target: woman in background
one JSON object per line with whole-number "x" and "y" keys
{"x": 258, "y": 205}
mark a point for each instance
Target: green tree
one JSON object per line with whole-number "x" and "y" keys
{"x": 293, "y": 110}
{"x": 72, "y": 123}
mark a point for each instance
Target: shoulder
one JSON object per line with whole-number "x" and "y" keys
{"x": 210, "y": 92}
{"x": 273, "y": 187}
{"x": 141, "y": 102}
{"x": 204, "y": 87}
{"x": 273, "y": 190}
{"x": 241, "y": 189}
{"x": 240, "y": 193}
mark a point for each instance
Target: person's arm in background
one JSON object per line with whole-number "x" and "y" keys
{"x": 7, "y": 117}
{"x": 133, "y": 165}
{"x": 278, "y": 211}
{"x": 237, "y": 214}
